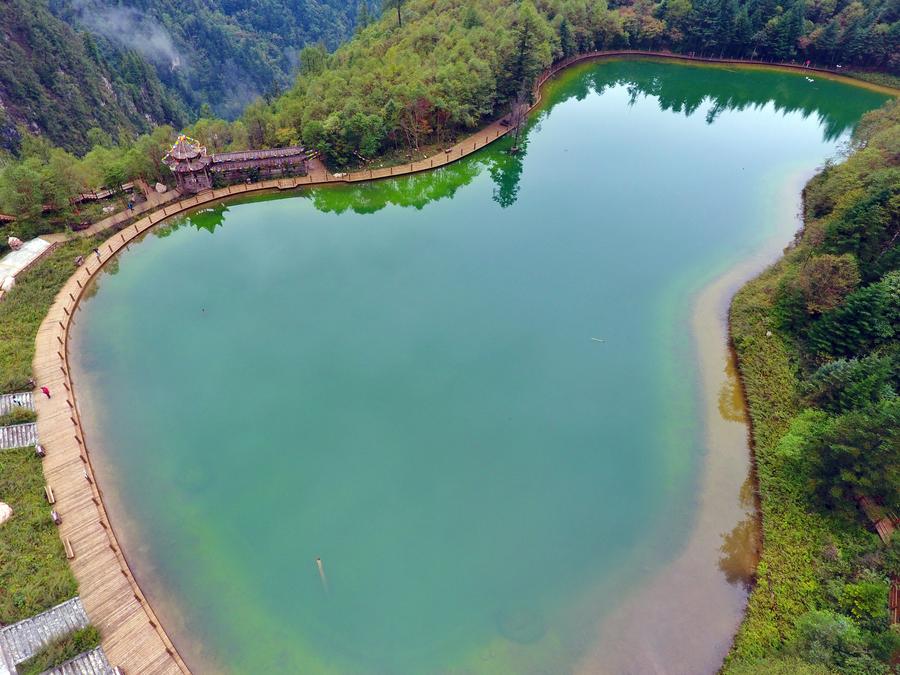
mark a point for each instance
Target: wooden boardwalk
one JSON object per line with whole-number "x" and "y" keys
{"x": 131, "y": 634}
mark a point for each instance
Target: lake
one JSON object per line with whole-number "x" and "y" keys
{"x": 491, "y": 399}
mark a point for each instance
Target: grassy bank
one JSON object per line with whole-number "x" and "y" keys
{"x": 815, "y": 340}
{"x": 34, "y": 574}
{"x": 23, "y": 309}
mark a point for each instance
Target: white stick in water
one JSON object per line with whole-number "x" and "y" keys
{"x": 322, "y": 574}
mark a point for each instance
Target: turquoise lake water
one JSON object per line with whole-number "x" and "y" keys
{"x": 400, "y": 378}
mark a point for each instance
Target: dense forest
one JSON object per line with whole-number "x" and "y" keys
{"x": 816, "y": 336}
{"x": 67, "y": 66}
{"x": 422, "y": 72}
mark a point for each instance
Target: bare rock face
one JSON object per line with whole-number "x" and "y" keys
{"x": 5, "y": 512}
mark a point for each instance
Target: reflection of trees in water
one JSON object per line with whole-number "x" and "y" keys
{"x": 674, "y": 87}
{"x": 740, "y": 547}
{"x": 208, "y": 218}
{"x": 725, "y": 90}
{"x": 415, "y": 190}
{"x": 731, "y": 396}
{"x": 506, "y": 172}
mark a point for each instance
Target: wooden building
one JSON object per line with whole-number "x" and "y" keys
{"x": 196, "y": 171}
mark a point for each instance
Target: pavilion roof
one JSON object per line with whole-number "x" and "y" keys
{"x": 186, "y": 148}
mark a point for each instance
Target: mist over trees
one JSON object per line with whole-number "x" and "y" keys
{"x": 69, "y": 65}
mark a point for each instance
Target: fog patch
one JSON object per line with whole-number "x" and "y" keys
{"x": 130, "y": 28}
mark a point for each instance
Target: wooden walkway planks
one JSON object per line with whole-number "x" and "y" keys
{"x": 131, "y": 634}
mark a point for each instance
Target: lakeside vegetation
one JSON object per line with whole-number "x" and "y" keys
{"x": 61, "y": 650}
{"x": 34, "y": 573}
{"x": 24, "y": 308}
{"x": 67, "y": 66}
{"x": 816, "y": 342}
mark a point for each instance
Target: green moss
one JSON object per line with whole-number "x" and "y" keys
{"x": 60, "y": 651}
{"x": 34, "y": 574}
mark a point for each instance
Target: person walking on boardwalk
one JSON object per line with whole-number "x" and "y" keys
{"x": 97, "y": 251}
{"x": 46, "y": 391}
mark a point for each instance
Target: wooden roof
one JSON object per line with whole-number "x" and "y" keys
{"x": 256, "y": 155}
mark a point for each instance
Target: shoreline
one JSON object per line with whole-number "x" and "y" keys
{"x": 727, "y": 507}
{"x": 132, "y": 635}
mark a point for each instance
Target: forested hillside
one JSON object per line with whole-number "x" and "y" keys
{"x": 71, "y": 65}
{"x": 816, "y": 336}
{"x": 416, "y": 77}
{"x": 440, "y": 66}
{"x": 57, "y": 82}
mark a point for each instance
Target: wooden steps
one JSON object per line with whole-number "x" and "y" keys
{"x": 22, "y": 399}
{"x": 90, "y": 663}
{"x": 18, "y": 436}
{"x": 24, "y": 639}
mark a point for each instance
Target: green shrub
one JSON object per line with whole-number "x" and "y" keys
{"x": 60, "y": 651}
{"x": 782, "y": 665}
{"x": 827, "y": 639}
{"x": 870, "y": 317}
{"x": 17, "y": 415}
{"x": 866, "y": 602}
{"x": 857, "y": 454}
{"x": 851, "y": 384}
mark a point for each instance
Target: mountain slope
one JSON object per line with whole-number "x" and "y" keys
{"x": 56, "y": 81}
{"x": 69, "y": 65}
